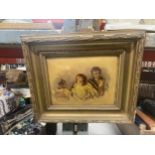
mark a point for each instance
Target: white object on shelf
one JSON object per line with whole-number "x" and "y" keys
{"x": 3, "y": 67}
{"x": 22, "y": 68}
{"x": 24, "y": 91}
{"x": 120, "y": 26}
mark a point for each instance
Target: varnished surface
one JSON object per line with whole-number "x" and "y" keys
{"x": 37, "y": 49}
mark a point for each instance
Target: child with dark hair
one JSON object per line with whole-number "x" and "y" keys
{"x": 62, "y": 91}
{"x": 82, "y": 89}
{"x": 97, "y": 81}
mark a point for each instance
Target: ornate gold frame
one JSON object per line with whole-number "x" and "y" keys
{"x": 127, "y": 45}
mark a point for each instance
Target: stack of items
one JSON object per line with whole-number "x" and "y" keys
{"x": 26, "y": 127}
{"x": 12, "y": 99}
{"x": 145, "y": 113}
{"x": 7, "y": 101}
{"x": 10, "y": 106}
{"x": 10, "y": 120}
{"x": 146, "y": 90}
{"x": 147, "y": 81}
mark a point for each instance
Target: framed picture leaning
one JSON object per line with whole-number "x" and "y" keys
{"x": 84, "y": 77}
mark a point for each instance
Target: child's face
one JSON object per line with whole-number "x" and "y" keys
{"x": 96, "y": 74}
{"x": 79, "y": 79}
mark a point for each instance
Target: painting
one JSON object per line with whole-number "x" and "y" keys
{"x": 84, "y": 77}
{"x": 77, "y": 81}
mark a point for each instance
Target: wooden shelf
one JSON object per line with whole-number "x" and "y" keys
{"x": 27, "y": 26}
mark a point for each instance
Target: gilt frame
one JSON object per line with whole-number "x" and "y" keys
{"x": 127, "y": 45}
